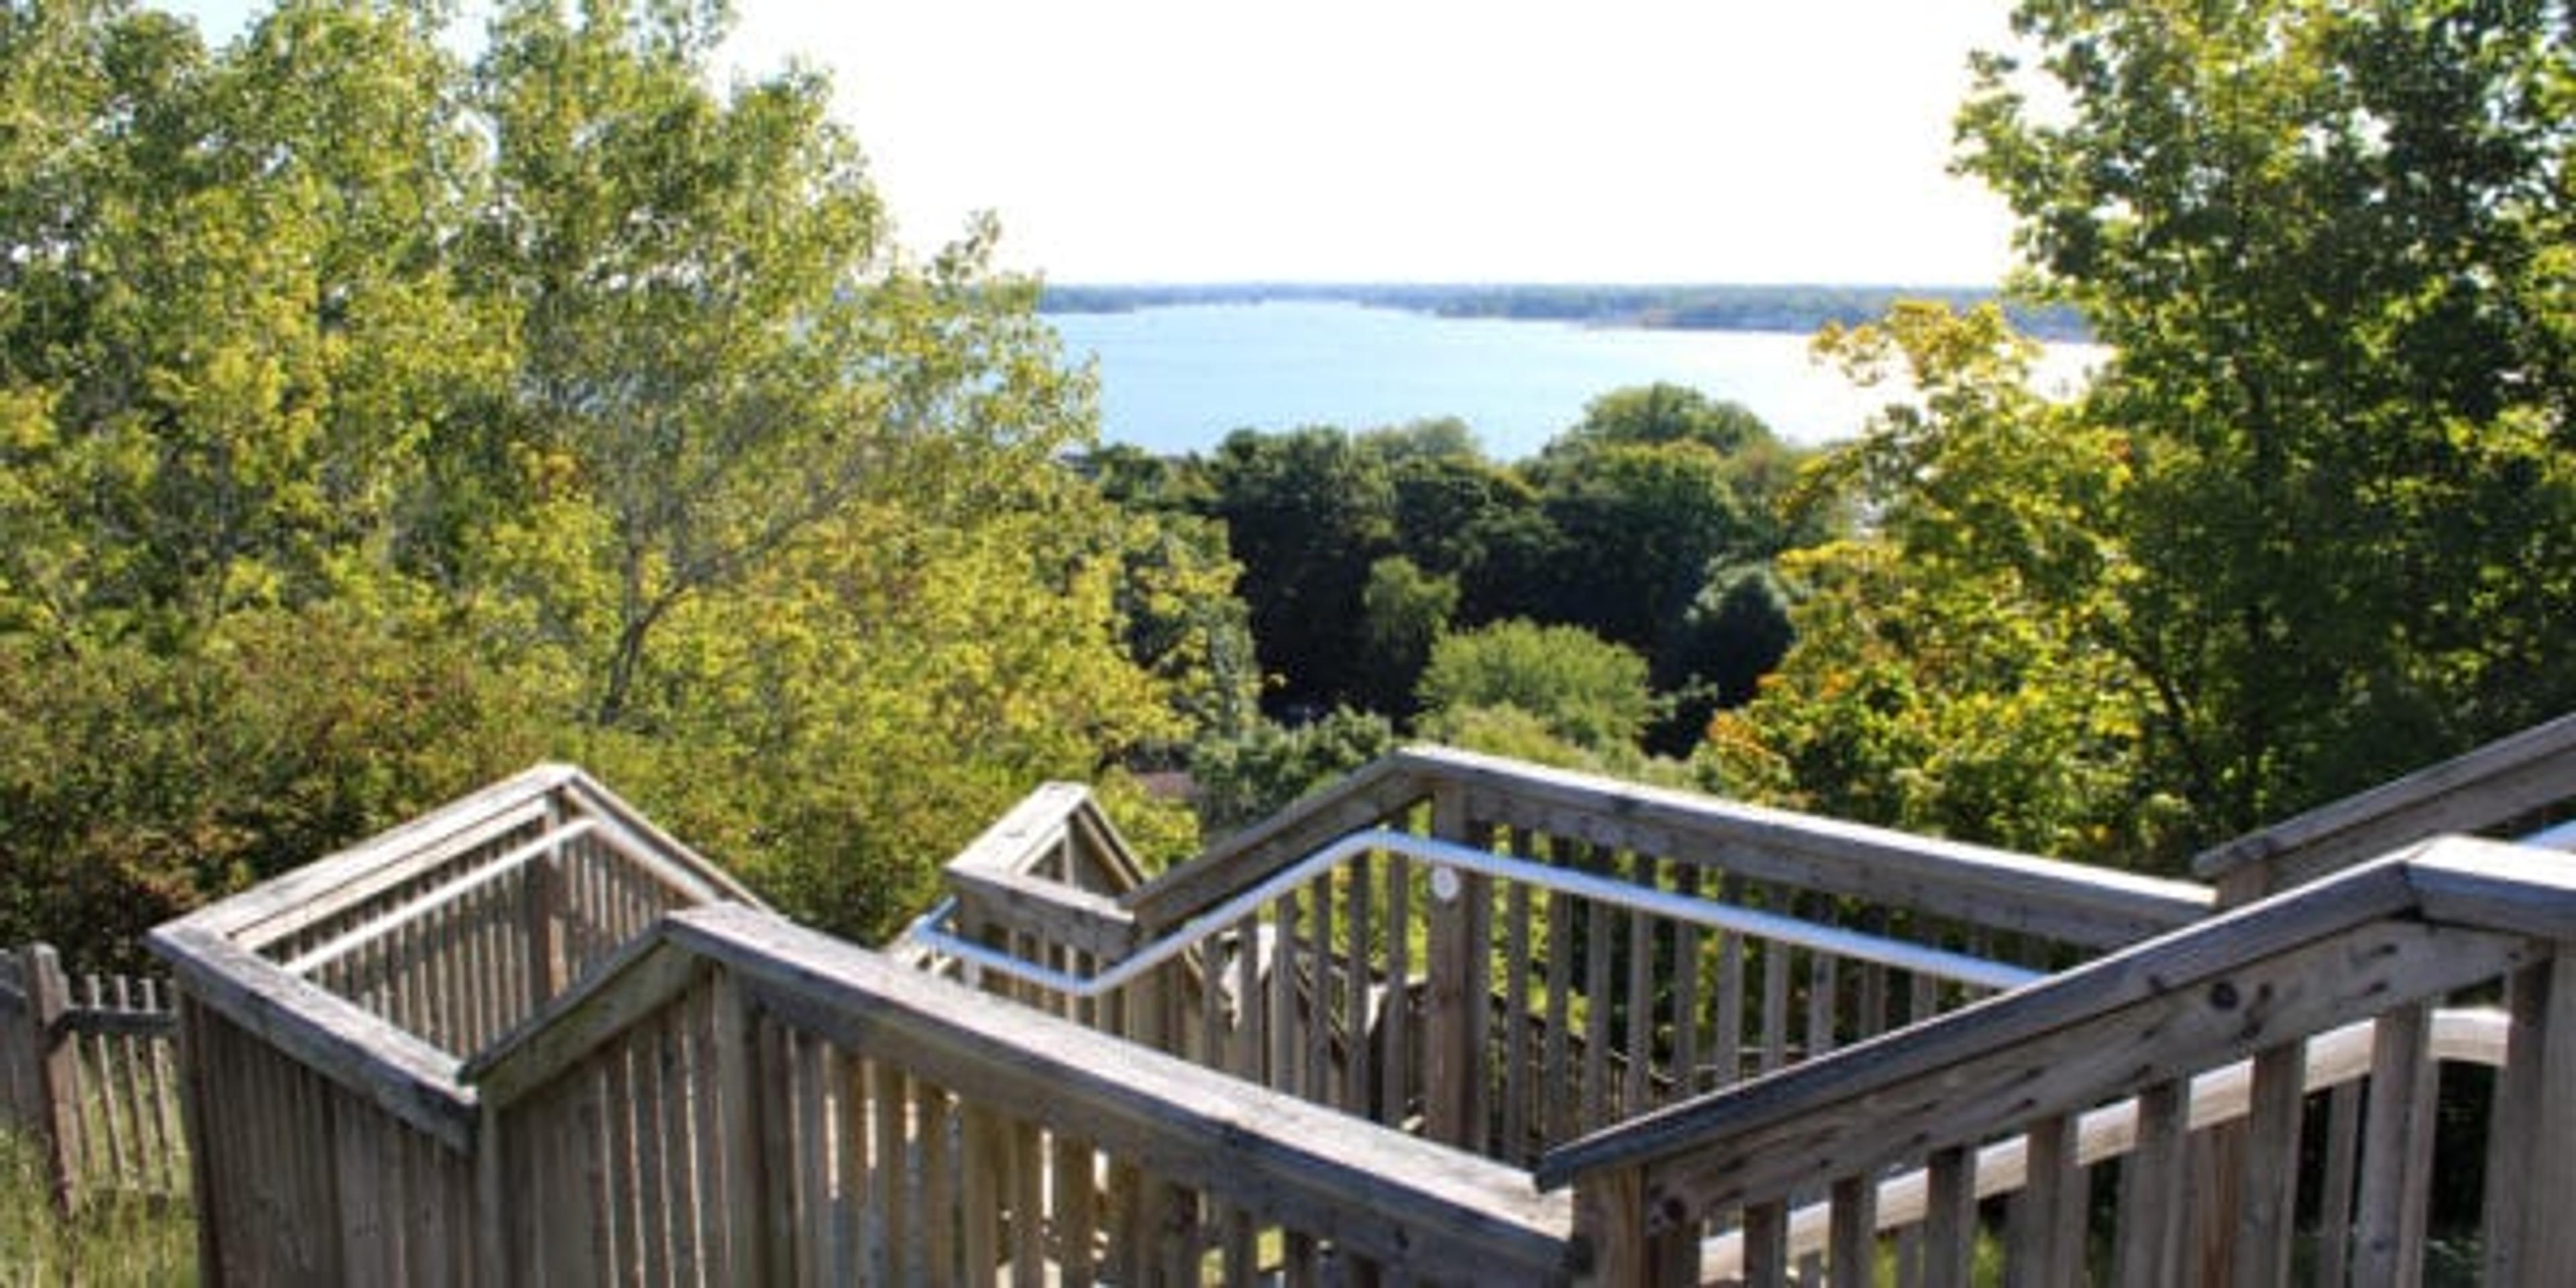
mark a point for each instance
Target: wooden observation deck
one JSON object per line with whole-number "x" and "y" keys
{"x": 1456, "y": 1019}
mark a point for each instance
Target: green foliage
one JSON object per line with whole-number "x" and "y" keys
{"x": 1956, "y": 669}
{"x": 1615, "y": 528}
{"x": 115, "y": 1241}
{"x": 371, "y": 426}
{"x": 1307, "y": 513}
{"x": 1250, "y": 776}
{"x": 2330, "y": 245}
{"x": 1582, "y": 689}
{"x": 1404, "y": 611}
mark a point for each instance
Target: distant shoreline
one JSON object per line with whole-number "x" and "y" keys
{"x": 1670, "y": 308}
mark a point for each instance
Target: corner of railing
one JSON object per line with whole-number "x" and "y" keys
{"x": 2476, "y": 791}
{"x": 1384, "y": 787}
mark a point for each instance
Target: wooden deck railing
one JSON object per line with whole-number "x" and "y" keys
{"x": 325, "y": 1015}
{"x": 727, "y": 1098}
{"x": 748, "y": 1101}
{"x": 529, "y": 1038}
{"x": 2269, "y": 1018}
{"x": 1506, "y": 1017}
{"x": 87, "y": 1072}
{"x": 2505, "y": 788}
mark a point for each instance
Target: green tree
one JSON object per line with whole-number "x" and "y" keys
{"x": 1306, "y": 512}
{"x": 1658, "y": 414}
{"x": 229, "y": 330}
{"x": 2329, "y": 243}
{"x": 1246, "y": 777}
{"x": 369, "y": 428}
{"x": 1405, "y": 610}
{"x": 718, "y": 344}
{"x": 1584, "y": 690}
{"x": 1958, "y": 667}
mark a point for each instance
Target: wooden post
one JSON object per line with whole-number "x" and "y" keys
{"x": 2270, "y": 1162}
{"x": 55, "y": 1060}
{"x": 2531, "y": 1168}
{"x": 1611, "y": 1226}
{"x": 542, "y": 913}
{"x": 1454, "y": 1004}
{"x": 2397, "y": 1150}
{"x": 739, "y": 1109}
{"x": 194, "y": 1120}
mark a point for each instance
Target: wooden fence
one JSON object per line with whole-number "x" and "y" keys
{"x": 1508, "y": 1014}
{"x": 531, "y": 1039}
{"x": 2260, "y": 1090}
{"x": 87, "y": 1072}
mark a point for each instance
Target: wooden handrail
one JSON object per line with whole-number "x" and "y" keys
{"x": 369, "y": 1056}
{"x": 997, "y": 873}
{"x": 1376, "y": 791}
{"x": 2452, "y": 912}
{"x": 2221, "y": 1096}
{"x": 2474, "y": 792}
{"x": 1381, "y": 1194}
{"x": 2079, "y": 903}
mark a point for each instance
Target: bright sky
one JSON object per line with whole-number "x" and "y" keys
{"x": 1412, "y": 140}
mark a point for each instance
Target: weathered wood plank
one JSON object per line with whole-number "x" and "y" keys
{"x": 2159, "y": 970}
{"x": 2153, "y": 1192}
{"x": 1950, "y": 1218}
{"x": 2397, "y": 1151}
{"x": 1376, "y": 792}
{"x": 2531, "y": 1168}
{"x": 1387, "y": 1196}
{"x": 1852, "y": 1253}
{"x": 392, "y": 1068}
{"x": 2121, "y": 1049}
{"x": 2481, "y": 789}
{"x": 2073, "y": 902}
{"x": 2045, "y": 1242}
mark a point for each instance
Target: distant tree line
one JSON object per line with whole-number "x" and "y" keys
{"x": 1798, "y": 309}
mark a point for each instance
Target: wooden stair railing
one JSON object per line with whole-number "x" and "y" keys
{"x": 2481, "y": 791}
{"x": 1296, "y": 993}
{"x": 2148, "y": 1038}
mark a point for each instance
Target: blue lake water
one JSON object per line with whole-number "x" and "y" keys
{"x": 1179, "y": 378}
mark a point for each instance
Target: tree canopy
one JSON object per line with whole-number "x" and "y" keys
{"x": 371, "y": 424}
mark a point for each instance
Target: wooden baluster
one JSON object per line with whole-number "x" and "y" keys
{"x": 1598, "y": 1003}
{"x": 1395, "y": 1054}
{"x": 1557, "y": 1104}
{"x": 2046, "y": 1246}
{"x": 1320, "y": 1079}
{"x": 1686, "y": 1008}
{"x": 1728, "y": 1054}
{"x": 1075, "y": 1212}
{"x": 1950, "y": 1218}
{"x": 1358, "y": 1070}
{"x": 2397, "y": 1150}
{"x": 2531, "y": 1142}
{"x": 1766, "y": 1245}
{"x": 1627, "y": 1243}
{"x": 1638, "y": 1095}
{"x": 2265, "y": 1224}
{"x": 1853, "y": 1235}
{"x": 1284, "y": 1008}
{"x": 2153, "y": 1190}
{"x": 1516, "y": 1047}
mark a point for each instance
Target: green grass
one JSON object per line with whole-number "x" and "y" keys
{"x": 113, "y": 1240}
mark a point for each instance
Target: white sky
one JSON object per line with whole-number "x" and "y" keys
{"x": 1412, "y": 140}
